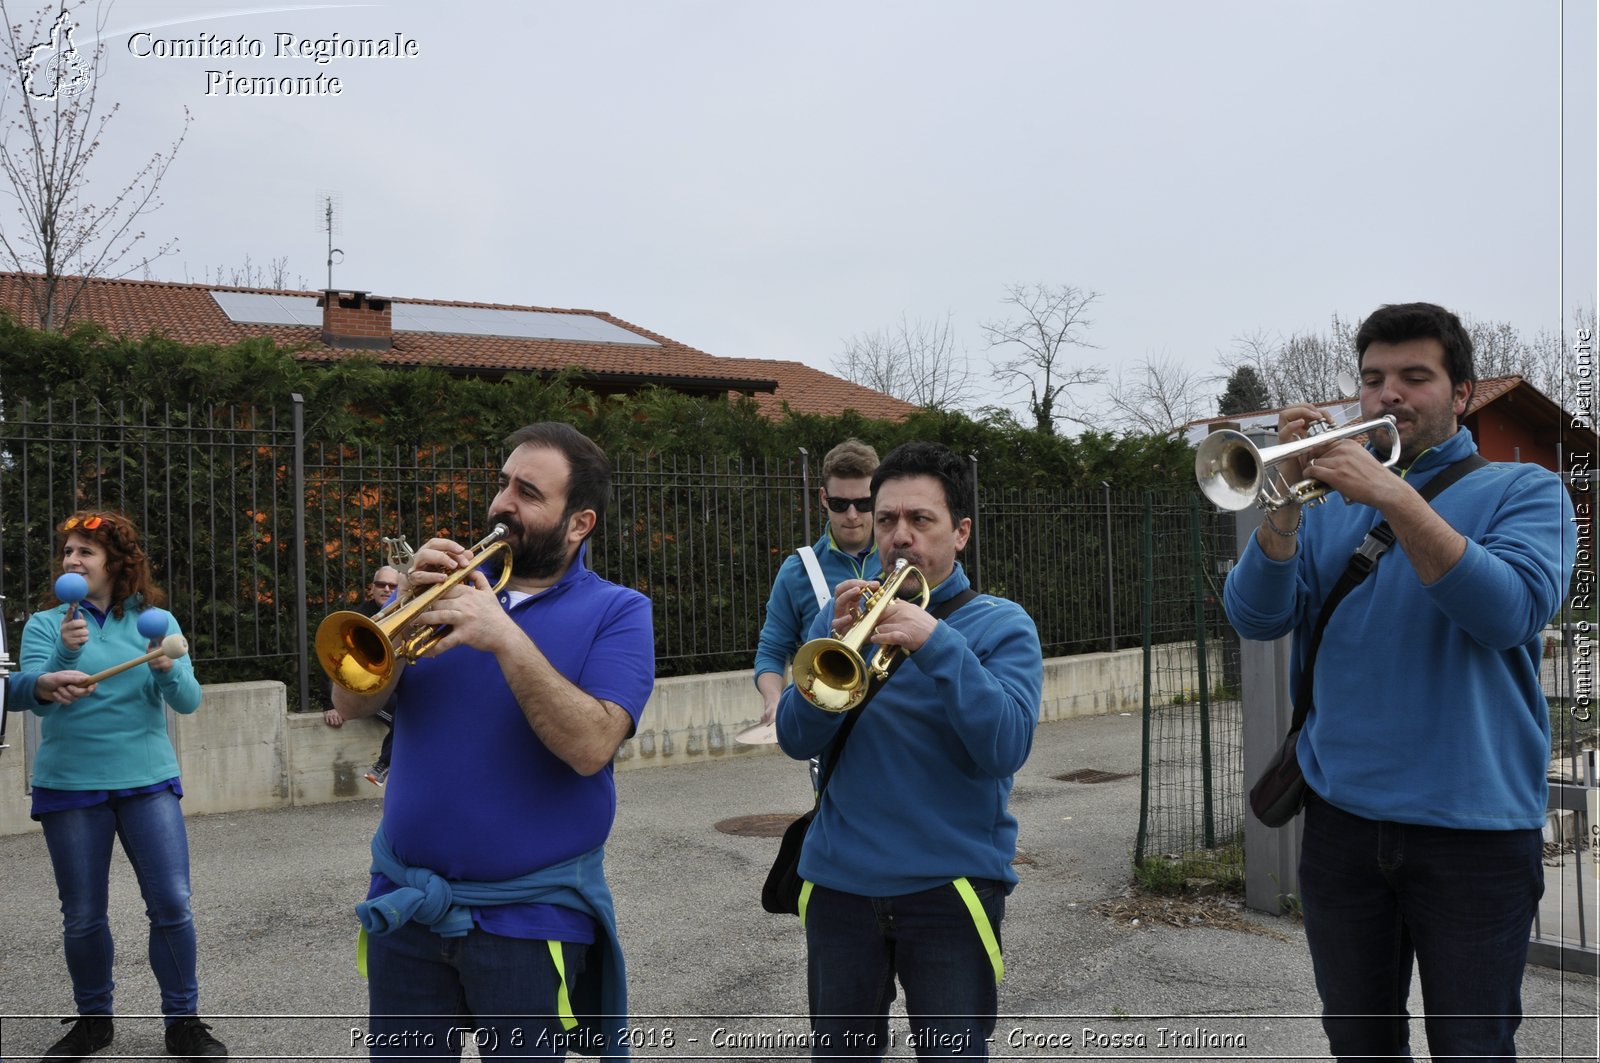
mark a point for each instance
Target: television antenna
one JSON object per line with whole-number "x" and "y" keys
{"x": 330, "y": 216}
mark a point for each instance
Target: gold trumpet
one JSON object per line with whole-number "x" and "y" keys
{"x": 832, "y": 673}
{"x": 359, "y": 652}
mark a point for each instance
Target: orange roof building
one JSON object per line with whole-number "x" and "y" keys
{"x": 487, "y": 340}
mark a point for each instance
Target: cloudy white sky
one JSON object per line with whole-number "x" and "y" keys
{"x": 768, "y": 179}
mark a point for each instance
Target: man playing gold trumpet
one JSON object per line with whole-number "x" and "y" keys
{"x": 488, "y": 906}
{"x": 1428, "y": 738}
{"x": 908, "y": 862}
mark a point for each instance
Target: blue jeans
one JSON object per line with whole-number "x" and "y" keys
{"x": 855, "y": 947}
{"x": 423, "y": 989}
{"x": 1379, "y": 896}
{"x": 151, "y": 829}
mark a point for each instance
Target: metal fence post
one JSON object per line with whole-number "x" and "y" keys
{"x": 301, "y": 591}
{"x": 805, "y": 494}
{"x": 1146, "y": 599}
{"x": 1271, "y": 854}
{"x": 976, "y": 556}
{"x": 1203, "y": 677}
{"x": 1111, "y": 582}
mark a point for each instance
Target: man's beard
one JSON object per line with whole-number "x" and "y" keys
{"x": 536, "y": 555}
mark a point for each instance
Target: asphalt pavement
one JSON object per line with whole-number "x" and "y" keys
{"x": 711, "y": 975}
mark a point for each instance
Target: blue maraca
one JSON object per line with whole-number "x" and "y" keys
{"x": 72, "y": 589}
{"x": 153, "y": 623}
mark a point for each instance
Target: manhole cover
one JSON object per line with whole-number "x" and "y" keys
{"x": 765, "y": 825}
{"x": 1092, "y": 775}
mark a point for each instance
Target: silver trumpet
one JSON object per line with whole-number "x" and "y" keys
{"x": 1235, "y": 474}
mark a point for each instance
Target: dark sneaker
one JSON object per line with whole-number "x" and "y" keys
{"x": 189, "y": 1038}
{"x": 89, "y": 1033}
{"x": 379, "y": 774}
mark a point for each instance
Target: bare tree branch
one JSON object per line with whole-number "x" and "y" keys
{"x": 275, "y": 274}
{"x": 916, "y": 361}
{"x": 50, "y": 131}
{"x": 1157, "y": 395}
{"x": 1052, "y": 320}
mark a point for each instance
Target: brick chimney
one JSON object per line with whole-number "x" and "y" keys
{"x": 356, "y": 320}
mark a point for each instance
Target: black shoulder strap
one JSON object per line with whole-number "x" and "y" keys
{"x": 1362, "y": 562}
{"x": 938, "y": 612}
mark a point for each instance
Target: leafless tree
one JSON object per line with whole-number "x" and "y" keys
{"x": 916, "y": 361}
{"x": 1157, "y": 395}
{"x": 1050, "y": 321}
{"x": 275, "y": 274}
{"x": 51, "y": 129}
{"x": 1305, "y": 367}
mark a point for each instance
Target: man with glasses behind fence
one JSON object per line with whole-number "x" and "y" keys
{"x": 808, "y": 576}
{"x": 385, "y": 582}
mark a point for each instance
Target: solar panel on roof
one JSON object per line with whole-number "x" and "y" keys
{"x": 513, "y": 324}
{"x": 255, "y": 308}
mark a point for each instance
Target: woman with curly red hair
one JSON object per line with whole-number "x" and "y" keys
{"x": 105, "y": 768}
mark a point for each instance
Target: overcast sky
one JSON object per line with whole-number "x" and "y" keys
{"x": 769, "y": 179}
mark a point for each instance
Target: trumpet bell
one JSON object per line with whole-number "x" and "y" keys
{"x": 1227, "y": 466}
{"x": 830, "y": 674}
{"x": 354, "y": 651}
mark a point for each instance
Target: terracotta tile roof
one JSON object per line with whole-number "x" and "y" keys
{"x": 809, "y": 390}
{"x": 188, "y": 314}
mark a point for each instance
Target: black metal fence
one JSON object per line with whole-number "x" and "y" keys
{"x": 257, "y": 532}
{"x": 1191, "y": 808}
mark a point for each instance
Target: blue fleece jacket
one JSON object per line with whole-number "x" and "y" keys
{"x": 1427, "y": 704}
{"x": 116, "y": 738}
{"x": 921, "y": 792}
{"x": 792, "y": 605}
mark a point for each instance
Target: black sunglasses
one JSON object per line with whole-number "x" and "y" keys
{"x": 839, "y": 505}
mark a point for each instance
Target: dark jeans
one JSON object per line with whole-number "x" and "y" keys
{"x": 150, "y": 827}
{"x": 1379, "y": 896}
{"x": 855, "y": 946}
{"x": 428, "y": 993}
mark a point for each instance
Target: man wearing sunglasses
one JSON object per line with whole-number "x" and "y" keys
{"x": 384, "y": 583}
{"x": 845, "y": 551}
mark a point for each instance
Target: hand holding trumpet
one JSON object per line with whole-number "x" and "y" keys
{"x": 469, "y": 612}
{"x": 902, "y": 623}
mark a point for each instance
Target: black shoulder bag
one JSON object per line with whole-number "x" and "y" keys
{"x": 1280, "y": 793}
{"x": 780, "y": 894}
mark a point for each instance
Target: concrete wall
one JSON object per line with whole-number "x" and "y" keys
{"x": 243, "y": 750}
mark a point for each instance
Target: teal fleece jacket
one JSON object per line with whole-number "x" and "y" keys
{"x": 116, "y": 738}
{"x": 1427, "y": 707}
{"x": 921, "y": 793}
{"x": 792, "y": 605}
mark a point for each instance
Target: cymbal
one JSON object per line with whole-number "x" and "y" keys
{"x": 761, "y": 734}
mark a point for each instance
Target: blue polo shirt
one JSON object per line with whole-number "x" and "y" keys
{"x": 473, "y": 793}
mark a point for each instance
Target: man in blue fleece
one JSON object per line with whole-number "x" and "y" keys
{"x": 908, "y": 862}
{"x": 1427, "y": 744}
{"x": 488, "y": 907}
{"x": 845, "y": 551}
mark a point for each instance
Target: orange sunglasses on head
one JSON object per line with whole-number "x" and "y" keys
{"x": 87, "y": 523}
